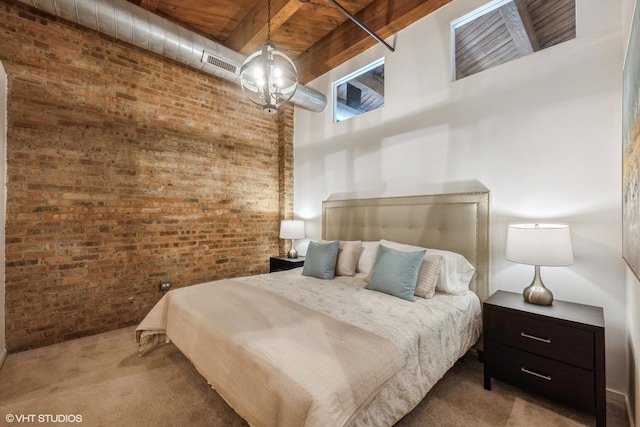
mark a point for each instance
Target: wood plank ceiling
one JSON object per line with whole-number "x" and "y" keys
{"x": 317, "y": 36}
{"x": 314, "y": 34}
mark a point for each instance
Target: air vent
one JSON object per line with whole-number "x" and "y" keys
{"x": 216, "y": 61}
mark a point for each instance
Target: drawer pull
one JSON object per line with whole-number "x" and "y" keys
{"x": 535, "y": 374}
{"x": 533, "y": 337}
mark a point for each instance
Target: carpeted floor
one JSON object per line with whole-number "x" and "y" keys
{"x": 102, "y": 380}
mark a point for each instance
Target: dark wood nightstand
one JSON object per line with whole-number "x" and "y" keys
{"x": 280, "y": 263}
{"x": 555, "y": 350}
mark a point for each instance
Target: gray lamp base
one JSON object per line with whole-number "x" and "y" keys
{"x": 292, "y": 253}
{"x": 536, "y": 292}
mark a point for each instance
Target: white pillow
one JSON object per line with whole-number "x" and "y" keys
{"x": 455, "y": 271}
{"x": 348, "y": 255}
{"x": 368, "y": 256}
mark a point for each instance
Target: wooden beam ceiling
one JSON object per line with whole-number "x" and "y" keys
{"x": 383, "y": 17}
{"x": 316, "y": 35}
{"x": 150, "y": 5}
{"x": 251, "y": 33}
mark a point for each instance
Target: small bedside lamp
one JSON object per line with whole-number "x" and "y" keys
{"x": 292, "y": 229}
{"x": 539, "y": 244}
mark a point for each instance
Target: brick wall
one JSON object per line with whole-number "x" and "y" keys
{"x": 125, "y": 169}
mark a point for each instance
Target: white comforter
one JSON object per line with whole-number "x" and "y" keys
{"x": 431, "y": 334}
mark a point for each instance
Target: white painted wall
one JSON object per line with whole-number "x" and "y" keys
{"x": 543, "y": 133}
{"x": 3, "y": 199}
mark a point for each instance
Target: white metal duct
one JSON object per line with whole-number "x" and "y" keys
{"x": 139, "y": 27}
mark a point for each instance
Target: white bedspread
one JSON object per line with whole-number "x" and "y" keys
{"x": 431, "y": 334}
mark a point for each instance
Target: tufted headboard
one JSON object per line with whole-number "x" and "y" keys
{"x": 457, "y": 222}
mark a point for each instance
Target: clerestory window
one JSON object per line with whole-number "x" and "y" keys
{"x": 504, "y": 30}
{"x": 359, "y": 92}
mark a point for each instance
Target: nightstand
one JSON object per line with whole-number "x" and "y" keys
{"x": 555, "y": 350}
{"x": 280, "y": 263}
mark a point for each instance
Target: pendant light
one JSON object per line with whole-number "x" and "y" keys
{"x": 268, "y": 77}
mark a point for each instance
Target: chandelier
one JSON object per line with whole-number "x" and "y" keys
{"x": 268, "y": 77}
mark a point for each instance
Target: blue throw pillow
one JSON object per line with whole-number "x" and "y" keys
{"x": 320, "y": 261}
{"x": 396, "y": 273}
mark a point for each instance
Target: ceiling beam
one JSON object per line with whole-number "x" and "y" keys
{"x": 369, "y": 83}
{"x": 384, "y": 17}
{"x": 368, "y": 90}
{"x": 150, "y": 5}
{"x": 251, "y": 33}
{"x": 532, "y": 35}
{"x": 519, "y": 36}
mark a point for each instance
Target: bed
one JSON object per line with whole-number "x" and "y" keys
{"x": 289, "y": 348}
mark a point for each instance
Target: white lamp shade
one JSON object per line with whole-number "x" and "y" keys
{"x": 291, "y": 229}
{"x": 539, "y": 244}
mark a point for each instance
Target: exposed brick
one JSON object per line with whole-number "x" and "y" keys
{"x": 125, "y": 169}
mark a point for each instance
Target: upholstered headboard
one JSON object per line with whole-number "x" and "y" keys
{"x": 457, "y": 222}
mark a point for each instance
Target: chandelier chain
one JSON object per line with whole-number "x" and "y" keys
{"x": 268, "y": 77}
{"x": 268, "y": 20}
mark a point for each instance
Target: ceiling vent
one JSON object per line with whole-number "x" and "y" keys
{"x": 216, "y": 61}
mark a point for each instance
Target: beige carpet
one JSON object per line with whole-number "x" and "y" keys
{"x": 102, "y": 380}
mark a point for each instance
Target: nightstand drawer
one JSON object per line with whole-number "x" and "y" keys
{"x": 569, "y": 384}
{"x": 562, "y": 343}
{"x": 282, "y": 263}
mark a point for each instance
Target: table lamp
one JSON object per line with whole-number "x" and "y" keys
{"x": 292, "y": 229}
{"x": 539, "y": 245}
